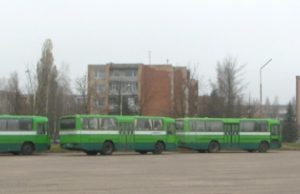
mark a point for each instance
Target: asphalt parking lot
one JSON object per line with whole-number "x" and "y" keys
{"x": 221, "y": 173}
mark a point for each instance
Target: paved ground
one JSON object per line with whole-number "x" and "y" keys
{"x": 222, "y": 173}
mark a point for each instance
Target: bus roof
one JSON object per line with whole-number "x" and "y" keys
{"x": 118, "y": 117}
{"x": 232, "y": 120}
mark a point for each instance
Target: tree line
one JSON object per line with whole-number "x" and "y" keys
{"x": 49, "y": 93}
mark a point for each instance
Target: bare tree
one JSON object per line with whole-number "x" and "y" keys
{"x": 230, "y": 84}
{"x": 4, "y": 103}
{"x": 215, "y": 105}
{"x": 275, "y": 108}
{"x": 82, "y": 89}
{"x": 14, "y": 94}
{"x": 267, "y": 108}
{"x": 31, "y": 87}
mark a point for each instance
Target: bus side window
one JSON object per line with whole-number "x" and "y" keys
{"x": 93, "y": 123}
{"x": 179, "y": 125}
{"x": 85, "y": 123}
{"x": 3, "y": 125}
{"x": 41, "y": 129}
{"x": 25, "y": 125}
{"x": 247, "y": 126}
{"x": 263, "y": 127}
{"x": 260, "y": 127}
{"x": 275, "y": 130}
{"x": 12, "y": 125}
{"x": 157, "y": 125}
{"x": 108, "y": 124}
{"x": 171, "y": 128}
{"x": 214, "y": 126}
{"x": 143, "y": 125}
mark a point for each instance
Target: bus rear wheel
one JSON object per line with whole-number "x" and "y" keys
{"x": 107, "y": 148}
{"x": 213, "y": 147}
{"x": 158, "y": 148}
{"x": 263, "y": 147}
{"x": 27, "y": 149}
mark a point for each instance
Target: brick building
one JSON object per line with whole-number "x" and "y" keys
{"x": 140, "y": 89}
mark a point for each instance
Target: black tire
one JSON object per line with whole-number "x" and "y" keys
{"x": 107, "y": 148}
{"x": 27, "y": 149}
{"x": 142, "y": 152}
{"x": 158, "y": 148}
{"x": 91, "y": 153}
{"x": 213, "y": 147}
{"x": 263, "y": 147}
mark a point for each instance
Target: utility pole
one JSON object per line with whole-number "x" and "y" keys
{"x": 260, "y": 84}
{"x": 32, "y": 91}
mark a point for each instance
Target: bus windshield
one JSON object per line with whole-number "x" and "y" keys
{"x": 68, "y": 123}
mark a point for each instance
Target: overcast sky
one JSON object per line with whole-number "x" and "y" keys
{"x": 183, "y": 31}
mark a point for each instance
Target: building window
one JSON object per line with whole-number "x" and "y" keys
{"x": 130, "y": 73}
{"x": 100, "y": 88}
{"x": 131, "y": 101}
{"x": 100, "y": 103}
{"x": 100, "y": 74}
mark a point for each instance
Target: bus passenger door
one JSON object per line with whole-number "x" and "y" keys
{"x": 231, "y": 135}
{"x": 275, "y": 136}
{"x": 126, "y": 136}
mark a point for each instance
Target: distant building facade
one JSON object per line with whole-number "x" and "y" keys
{"x": 139, "y": 89}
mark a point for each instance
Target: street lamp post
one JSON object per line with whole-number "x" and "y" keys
{"x": 260, "y": 84}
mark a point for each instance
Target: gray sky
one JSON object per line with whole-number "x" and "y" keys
{"x": 183, "y": 31}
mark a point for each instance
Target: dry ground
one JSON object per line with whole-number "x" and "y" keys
{"x": 221, "y": 173}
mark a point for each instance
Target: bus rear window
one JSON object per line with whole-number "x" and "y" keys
{"x": 68, "y": 123}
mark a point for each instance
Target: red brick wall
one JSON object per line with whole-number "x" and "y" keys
{"x": 156, "y": 90}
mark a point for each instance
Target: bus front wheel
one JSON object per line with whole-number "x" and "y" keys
{"x": 158, "y": 148}
{"x": 213, "y": 147}
{"x": 107, "y": 148}
{"x": 27, "y": 149}
{"x": 263, "y": 147}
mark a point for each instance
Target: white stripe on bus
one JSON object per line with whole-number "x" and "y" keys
{"x": 254, "y": 133}
{"x": 88, "y": 132}
{"x": 18, "y": 132}
{"x": 103, "y": 132}
{"x": 221, "y": 133}
{"x": 200, "y": 133}
{"x": 150, "y": 132}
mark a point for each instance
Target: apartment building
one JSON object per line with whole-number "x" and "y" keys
{"x": 139, "y": 89}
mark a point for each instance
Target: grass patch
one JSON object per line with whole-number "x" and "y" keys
{"x": 290, "y": 146}
{"x": 55, "y": 148}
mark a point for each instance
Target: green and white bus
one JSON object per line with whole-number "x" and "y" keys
{"x": 213, "y": 134}
{"x": 23, "y": 134}
{"x": 104, "y": 134}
